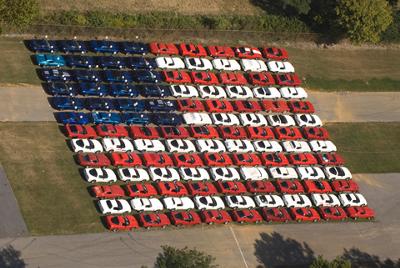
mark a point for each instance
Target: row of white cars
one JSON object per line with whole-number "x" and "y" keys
{"x": 200, "y": 146}
{"x": 237, "y": 92}
{"x": 168, "y": 174}
{"x": 203, "y": 64}
{"x": 120, "y": 206}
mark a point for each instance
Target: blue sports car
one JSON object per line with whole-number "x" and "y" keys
{"x": 124, "y": 90}
{"x": 136, "y": 118}
{"x": 100, "y": 104}
{"x": 106, "y": 118}
{"x": 131, "y": 105}
{"x": 167, "y": 119}
{"x": 72, "y": 46}
{"x": 73, "y": 118}
{"x": 133, "y": 48}
{"x": 93, "y": 89}
{"x": 136, "y": 63}
{"x": 80, "y": 61}
{"x": 87, "y": 76}
{"x": 61, "y": 89}
{"x": 143, "y": 76}
{"x": 110, "y": 62}
{"x": 54, "y": 75}
{"x": 114, "y": 76}
{"x": 49, "y": 60}
{"x": 155, "y": 91}
{"x": 67, "y": 103}
{"x": 104, "y": 46}
{"x": 41, "y": 45}
{"x": 161, "y": 105}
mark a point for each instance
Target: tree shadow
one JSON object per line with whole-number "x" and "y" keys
{"x": 11, "y": 258}
{"x": 275, "y": 251}
{"x": 360, "y": 259}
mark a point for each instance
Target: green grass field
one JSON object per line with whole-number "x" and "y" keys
{"x": 53, "y": 196}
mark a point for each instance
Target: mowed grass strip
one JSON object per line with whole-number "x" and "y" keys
{"x": 45, "y": 179}
{"x": 368, "y": 147}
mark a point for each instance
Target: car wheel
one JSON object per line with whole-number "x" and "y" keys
{"x": 164, "y": 226}
{"x": 315, "y": 220}
{"x": 114, "y": 230}
{"x": 148, "y": 227}
{"x": 241, "y": 222}
{"x": 298, "y": 220}
{"x": 355, "y": 218}
{"x": 225, "y": 222}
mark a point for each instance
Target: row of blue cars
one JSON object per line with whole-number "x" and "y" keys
{"x": 128, "y": 118}
{"x": 101, "y": 90}
{"x": 78, "y": 46}
{"x": 109, "y": 104}
{"x": 105, "y": 62}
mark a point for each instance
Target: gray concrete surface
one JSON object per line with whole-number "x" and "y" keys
{"x": 29, "y": 103}
{"x": 12, "y": 223}
{"x": 232, "y": 245}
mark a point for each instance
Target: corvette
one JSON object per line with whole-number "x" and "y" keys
{"x": 146, "y": 204}
{"x": 114, "y": 206}
{"x": 194, "y": 174}
{"x": 133, "y": 174}
{"x": 105, "y": 175}
{"x": 86, "y": 146}
{"x": 93, "y": 160}
{"x": 270, "y": 201}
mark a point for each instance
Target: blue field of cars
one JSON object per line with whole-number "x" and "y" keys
{"x": 93, "y": 89}
{"x": 73, "y": 118}
{"x": 106, "y": 118}
{"x": 77, "y": 61}
{"x": 136, "y": 118}
{"x": 124, "y": 90}
{"x": 67, "y": 103}
{"x": 61, "y": 89}
{"x": 49, "y": 60}
{"x": 129, "y": 105}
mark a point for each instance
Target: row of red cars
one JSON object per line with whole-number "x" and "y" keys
{"x": 181, "y": 218}
{"x": 198, "y": 50}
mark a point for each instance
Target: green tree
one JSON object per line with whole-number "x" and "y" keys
{"x": 183, "y": 258}
{"x": 18, "y": 12}
{"x": 320, "y": 262}
{"x": 364, "y": 20}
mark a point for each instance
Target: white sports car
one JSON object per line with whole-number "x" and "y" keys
{"x": 310, "y": 173}
{"x": 182, "y": 91}
{"x": 293, "y": 93}
{"x": 281, "y": 120}
{"x": 280, "y": 67}
{"x": 133, "y": 174}
{"x": 337, "y": 173}
{"x": 239, "y": 146}
{"x": 250, "y": 65}
{"x": 224, "y": 174}
{"x": 266, "y": 93}
{"x": 254, "y": 173}
{"x": 200, "y": 64}
{"x": 264, "y": 146}
{"x": 284, "y": 173}
{"x": 325, "y": 200}
{"x": 308, "y": 120}
{"x": 212, "y": 92}
{"x": 117, "y": 145}
{"x": 269, "y": 201}
{"x": 239, "y": 201}
{"x": 99, "y": 175}
{"x": 352, "y": 199}
{"x": 180, "y": 146}
{"x": 253, "y": 120}
{"x": 194, "y": 174}
{"x": 178, "y": 203}
{"x": 114, "y": 206}
{"x": 296, "y": 200}
{"x": 170, "y": 63}
{"x": 225, "y": 119}
{"x": 208, "y": 202}
{"x": 210, "y": 146}
{"x": 86, "y": 146}
{"x": 146, "y": 204}
{"x": 226, "y": 65}
{"x": 197, "y": 118}
{"x": 163, "y": 174}
{"x": 322, "y": 146}
{"x": 146, "y": 145}
{"x": 296, "y": 146}
{"x": 239, "y": 92}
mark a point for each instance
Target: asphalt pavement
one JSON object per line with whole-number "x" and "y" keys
{"x": 233, "y": 245}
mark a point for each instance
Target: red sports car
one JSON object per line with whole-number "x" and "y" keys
{"x": 233, "y": 132}
{"x": 204, "y": 78}
{"x": 217, "y": 160}
{"x": 288, "y": 133}
{"x": 317, "y": 186}
{"x": 201, "y": 188}
{"x": 360, "y": 213}
{"x": 289, "y": 186}
{"x": 231, "y": 187}
{"x": 329, "y": 159}
{"x": 344, "y": 186}
{"x": 93, "y": 160}
{"x": 246, "y": 159}
{"x": 172, "y": 132}
{"x": 215, "y": 216}
{"x": 121, "y": 223}
{"x": 203, "y": 132}
{"x": 170, "y": 188}
{"x": 187, "y": 160}
{"x": 108, "y": 130}
{"x": 257, "y": 187}
{"x": 276, "y": 215}
{"x": 275, "y": 53}
{"x": 246, "y": 215}
{"x": 302, "y": 159}
{"x": 305, "y": 214}
{"x": 260, "y": 133}
{"x": 261, "y": 79}
{"x": 219, "y": 106}
{"x": 126, "y": 159}
{"x": 140, "y": 132}
{"x": 274, "y": 159}
{"x": 176, "y": 77}
{"x": 248, "y": 52}
{"x": 140, "y": 190}
{"x": 304, "y": 107}
{"x": 107, "y": 191}
{"x": 287, "y": 80}
{"x": 247, "y": 106}
{"x": 232, "y": 79}
{"x": 220, "y": 51}
{"x": 332, "y": 213}
{"x": 190, "y": 105}
{"x": 315, "y": 133}
{"x": 163, "y": 49}
{"x": 179, "y": 218}
{"x": 154, "y": 220}
{"x": 191, "y": 50}
{"x": 157, "y": 160}
{"x": 80, "y": 131}
{"x": 279, "y": 106}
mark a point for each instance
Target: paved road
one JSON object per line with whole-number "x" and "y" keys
{"x": 11, "y": 222}
{"x": 29, "y": 103}
{"x": 232, "y": 245}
